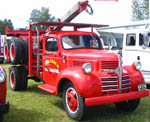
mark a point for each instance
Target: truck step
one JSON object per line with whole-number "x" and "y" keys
{"x": 48, "y": 88}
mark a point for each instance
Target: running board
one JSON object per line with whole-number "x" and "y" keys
{"x": 48, "y": 88}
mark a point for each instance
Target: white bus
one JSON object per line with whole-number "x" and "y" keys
{"x": 132, "y": 42}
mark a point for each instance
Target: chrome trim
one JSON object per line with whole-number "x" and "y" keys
{"x": 126, "y": 80}
{"x": 109, "y": 90}
{"x": 126, "y": 84}
{"x": 126, "y": 88}
{"x": 109, "y": 86}
{"x": 124, "y": 76}
{"x": 109, "y": 81}
{"x": 118, "y": 71}
{"x": 108, "y": 77}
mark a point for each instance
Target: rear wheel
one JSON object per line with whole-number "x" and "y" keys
{"x": 6, "y": 51}
{"x": 73, "y": 103}
{"x": 23, "y": 78}
{"x": 128, "y": 106}
{"x": 15, "y": 51}
{"x": 14, "y": 78}
{"x": 17, "y": 78}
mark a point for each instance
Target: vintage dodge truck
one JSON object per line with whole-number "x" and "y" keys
{"x": 74, "y": 63}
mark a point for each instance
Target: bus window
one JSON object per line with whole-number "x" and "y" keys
{"x": 144, "y": 39}
{"x": 131, "y": 40}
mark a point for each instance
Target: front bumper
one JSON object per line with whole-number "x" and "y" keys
{"x": 4, "y": 108}
{"x": 116, "y": 98}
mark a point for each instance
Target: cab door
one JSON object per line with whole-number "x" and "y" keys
{"x": 51, "y": 61}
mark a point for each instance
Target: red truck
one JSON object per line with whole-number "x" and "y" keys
{"x": 4, "y": 105}
{"x": 74, "y": 63}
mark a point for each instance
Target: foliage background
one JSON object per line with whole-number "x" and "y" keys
{"x": 140, "y": 9}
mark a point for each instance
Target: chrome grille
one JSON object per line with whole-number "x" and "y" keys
{"x": 126, "y": 84}
{"x": 110, "y": 85}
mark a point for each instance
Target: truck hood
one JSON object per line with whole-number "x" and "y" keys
{"x": 91, "y": 54}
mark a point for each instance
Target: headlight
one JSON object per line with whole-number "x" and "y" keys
{"x": 138, "y": 65}
{"x": 2, "y": 76}
{"x": 87, "y": 68}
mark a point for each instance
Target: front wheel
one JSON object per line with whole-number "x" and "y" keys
{"x": 73, "y": 103}
{"x": 128, "y": 106}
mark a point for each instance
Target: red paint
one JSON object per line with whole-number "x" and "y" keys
{"x": 2, "y": 90}
{"x": 116, "y": 98}
{"x": 4, "y": 105}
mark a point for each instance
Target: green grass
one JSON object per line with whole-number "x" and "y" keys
{"x": 35, "y": 105}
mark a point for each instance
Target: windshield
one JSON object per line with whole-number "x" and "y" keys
{"x": 81, "y": 41}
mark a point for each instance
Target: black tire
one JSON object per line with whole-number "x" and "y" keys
{"x": 23, "y": 78}
{"x": 25, "y": 51}
{"x": 14, "y": 78}
{"x": 128, "y": 106}
{"x": 15, "y": 51}
{"x": 18, "y": 78}
{"x": 78, "y": 109}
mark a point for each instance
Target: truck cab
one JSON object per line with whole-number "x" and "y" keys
{"x": 74, "y": 63}
{"x": 63, "y": 50}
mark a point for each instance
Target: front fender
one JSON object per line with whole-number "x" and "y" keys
{"x": 87, "y": 85}
{"x": 135, "y": 76}
{"x": 3, "y": 88}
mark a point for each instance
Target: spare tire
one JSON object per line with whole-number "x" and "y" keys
{"x": 15, "y": 51}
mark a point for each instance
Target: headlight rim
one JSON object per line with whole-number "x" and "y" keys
{"x": 86, "y": 65}
{"x": 136, "y": 65}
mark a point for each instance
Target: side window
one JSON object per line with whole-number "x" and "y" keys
{"x": 51, "y": 44}
{"x": 131, "y": 40}
{"x": 144, "y": 39}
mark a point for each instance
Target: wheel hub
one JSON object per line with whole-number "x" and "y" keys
{"x": 72, "y": 100}
{"x": 12, "y": 54}
{"x": 12, "y": 80}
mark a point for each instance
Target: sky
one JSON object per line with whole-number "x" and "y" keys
{"x": 105, "y": 12}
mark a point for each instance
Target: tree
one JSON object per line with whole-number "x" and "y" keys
{"x": 41, "y": 15}
{"x": 140, "y": 9}
{"x": 3, "y": 25}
